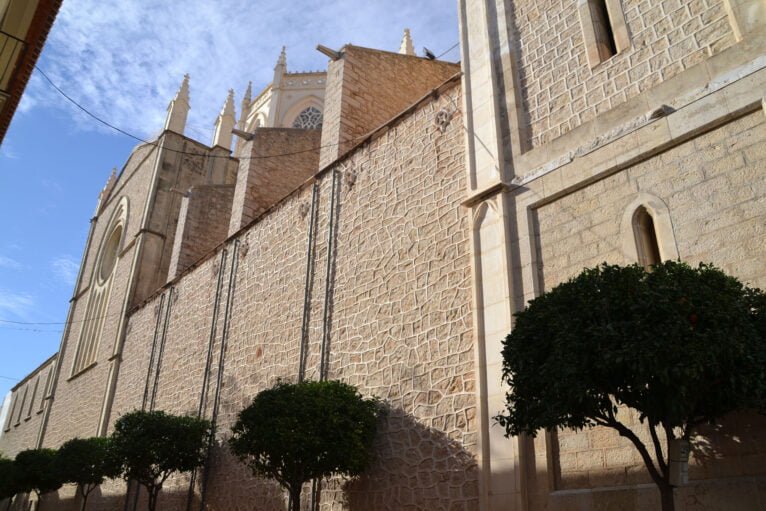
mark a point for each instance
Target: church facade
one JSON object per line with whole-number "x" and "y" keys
{"x": 380, "y": 222}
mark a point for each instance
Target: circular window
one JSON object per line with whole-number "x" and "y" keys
{"x": 109, "y": 255}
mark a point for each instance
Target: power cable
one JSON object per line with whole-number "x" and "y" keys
{"x": 155, "y": 144}
{"x": 448, "y": 50}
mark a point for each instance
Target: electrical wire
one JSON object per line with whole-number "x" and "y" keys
{"x": 155, "y": 144}
{"x": 142, "y": 140}
{"x": 448, "y": 50}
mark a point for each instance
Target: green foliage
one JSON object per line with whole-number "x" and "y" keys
{"x": 8, "y": 479}
{"x": 152, "y": 445}
{"x": 681, "y": 345}
{"x": 87, "y": 462}
{"x": 297, "y": 432}
{"x": 37, "y": 470}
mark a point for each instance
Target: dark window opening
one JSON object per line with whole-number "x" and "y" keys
{"x": 646, "y": 238}
{"x": 602, "y": 26}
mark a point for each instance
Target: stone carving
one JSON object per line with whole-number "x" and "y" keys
{"x": 443, "y": 118}
{"x": 350, "y": 178}
{"x": 303, "y": 209}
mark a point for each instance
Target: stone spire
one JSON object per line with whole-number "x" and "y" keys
{"x": 245, "y": 108}
{"x": 225, "y": 123}
{"x": 280, "y": 69}
{"x": 178, "y": 108}
{"x": 407, "y": 48}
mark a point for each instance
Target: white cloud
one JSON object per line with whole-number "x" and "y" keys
{"x": 124, "y": 60}
{"x": 17, "y": 305}
{"x": 7, "y": 151}
{"x": 11, "y": 264}
{"x": 65, "y": 269}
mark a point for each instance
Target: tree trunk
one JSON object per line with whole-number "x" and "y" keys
{"x": 10, "y": 503}
{"x": 666, "y": 497}
{"x": 84, "y": 500}
{"x": 295, "y": 498}
{"x": 153, "y": 498}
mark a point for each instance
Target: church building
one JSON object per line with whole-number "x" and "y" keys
{"x": 380, "y": 222}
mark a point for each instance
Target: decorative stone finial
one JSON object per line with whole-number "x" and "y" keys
{"x": 244, "y": 110}
{"x": 107, "y": 190}
{"x": 248, "y": 93}
{"x": 282, "y": 60}
{"x": 225, "y": 123}
{"x": 279, "y": 70}
{"x": 178, "y": 109}
{"x": 407, "y": 48}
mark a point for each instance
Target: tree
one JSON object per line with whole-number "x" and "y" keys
{"x": 8, "y": 481}
{"x": 297, "y": 432}
{"x": 683, "y": 346}
{"x": 37, "y": 470}
{"x": 150, "y": 446}
{"x": 87, "y": 462}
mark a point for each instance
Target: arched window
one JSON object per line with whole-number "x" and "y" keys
{"x": 308, "y": 119}
{"x": 647, "y": 247}
{"x": 100, "y": 291}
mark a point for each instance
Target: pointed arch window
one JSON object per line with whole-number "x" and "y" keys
{"x": 647, "y": 246}
{"x": 309, "y": 119}
{"x": 101, "y": 289}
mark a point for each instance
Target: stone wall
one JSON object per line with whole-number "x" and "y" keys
{"x": 559, "y": 89}
{"x": 366, "y": 88}
{"x": 29, "y": 398}
{"x": 398, "y": 323}
{"x": 272, "y": 165}
{"x": 202, "y": 225}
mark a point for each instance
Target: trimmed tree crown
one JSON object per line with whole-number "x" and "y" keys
{"x": 37, "y": 470}
{"x": 296, "y": 432}
{"x": 88, "y": 461}
{"x": 681, "y": 345}
{"x": 152, "y": 445}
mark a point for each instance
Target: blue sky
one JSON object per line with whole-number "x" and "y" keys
{"x": 124, "y": 61}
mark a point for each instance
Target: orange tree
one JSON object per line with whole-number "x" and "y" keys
{"x": 37, "y": 470}
{"x": 150, "y": 446}
{"x": 682, "y": 346}
{"x": 9, "y": 485}
{"x": 87, "y": 462}
{"x": 294, "y": 433}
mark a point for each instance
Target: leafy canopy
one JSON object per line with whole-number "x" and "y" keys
{"x": 37, "y": 470}
{"x": 681, "y": 345}
{"x": 8, "y": 479}
{"x": 87, "y": 462}
{"x": 152, "y": 445}
{"x": 297, "y": 432}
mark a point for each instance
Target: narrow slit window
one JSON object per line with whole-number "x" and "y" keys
{"x": 32, "y": 399}
{"x": 21, "y": 408}
{"x": 602, "y": 26}
{"x": 604, "y": 31}
{"x": 646, "y": 238}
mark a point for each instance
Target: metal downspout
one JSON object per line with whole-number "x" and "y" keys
{"x": 208, "y": 362}
{"x": 221, "y": 359}
{"x": 307, "y": 287}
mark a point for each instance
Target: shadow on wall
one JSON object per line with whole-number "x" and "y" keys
{"x": 734, "y": 447}
{"x": 416, "y": 467}
{"x": 49, "y": 501}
